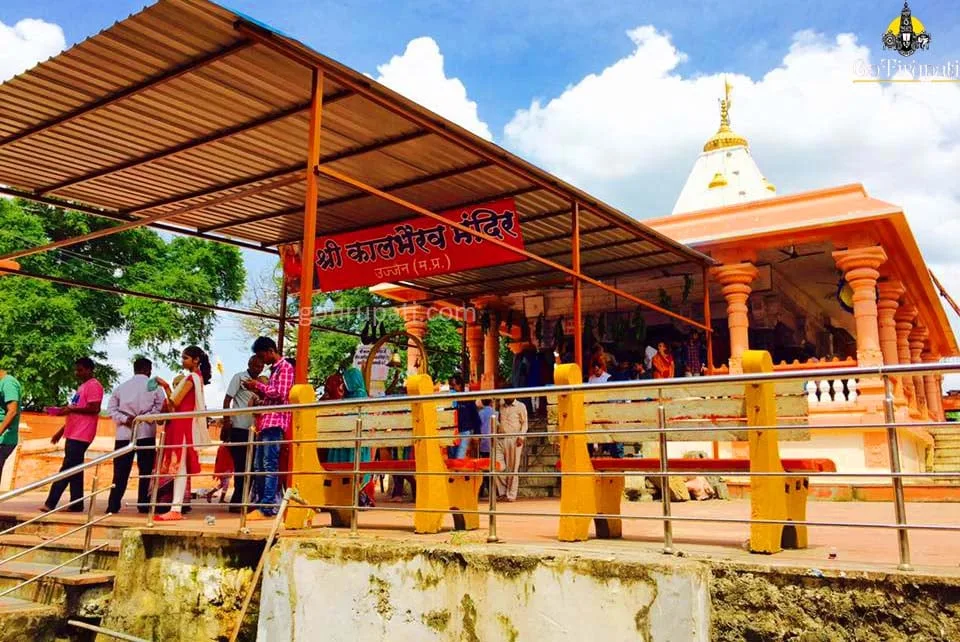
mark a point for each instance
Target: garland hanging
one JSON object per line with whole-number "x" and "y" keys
{"x": 665, "y": 300}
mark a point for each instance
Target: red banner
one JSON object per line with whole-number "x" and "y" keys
{"x": 416, "y": 248}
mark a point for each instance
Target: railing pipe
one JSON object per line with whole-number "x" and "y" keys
{"x": 893, "y": 443}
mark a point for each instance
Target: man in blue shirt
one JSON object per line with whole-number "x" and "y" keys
{"x": 468, "y": 420}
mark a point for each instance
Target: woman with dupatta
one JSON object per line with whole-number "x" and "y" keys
{"x": 179, "y": 458}
{"x": 355, "y": 389}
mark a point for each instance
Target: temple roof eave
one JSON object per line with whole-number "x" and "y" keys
{"x": 820, "y": 215}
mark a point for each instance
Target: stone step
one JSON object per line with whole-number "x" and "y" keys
{"x": 22, "y": 619}
{"x": 11, "y": 605}
{"x": 538, "y": 492}
{"x": 59, "y": 523}
{"x": 66, "y": 576}
{"x": 57, "y": 552}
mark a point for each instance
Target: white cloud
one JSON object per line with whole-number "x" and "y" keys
{"x": 631, "y": 132}
{"x": 419, "y": 75}
{"x": 26, "y": 43}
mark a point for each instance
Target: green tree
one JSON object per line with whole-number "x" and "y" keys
{"x": 444, "y": 345}
{"x": 45, "y": 327}
{"x": 348, "y": 311}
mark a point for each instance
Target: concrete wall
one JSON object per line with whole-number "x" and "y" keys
{"x": 190, "y": 586}
{"x": 375, "y": 590}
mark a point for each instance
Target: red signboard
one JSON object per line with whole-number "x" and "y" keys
{"x": 416, "y": 248}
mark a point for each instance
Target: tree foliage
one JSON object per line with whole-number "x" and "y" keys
{"x": 45, "y": 327}
{"x": 348, "y": 311}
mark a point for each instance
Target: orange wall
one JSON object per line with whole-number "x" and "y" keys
{"x": 42, "y": 426}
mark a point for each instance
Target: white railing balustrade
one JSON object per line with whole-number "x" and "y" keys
{"x": 831, "y": 392}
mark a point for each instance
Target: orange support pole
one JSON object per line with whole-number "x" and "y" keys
{"x": 308, "y": 249}
{"x": 707, "y": 320}
{"x": 283, "y": 316}
{"x": 577, "y": 299}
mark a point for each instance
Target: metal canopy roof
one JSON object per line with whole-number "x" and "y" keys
{"x": 189, "y": 115}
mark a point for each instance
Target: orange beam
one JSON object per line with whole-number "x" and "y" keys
{"x": 347, "y": 180}
{"x": 309, "y": 229}
{"x": 147, "y": 220}
{"x": 577, "y": 299}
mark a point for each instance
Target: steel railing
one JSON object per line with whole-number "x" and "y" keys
{"x": 86, "y": 527}
{"x": 365, "y": 407}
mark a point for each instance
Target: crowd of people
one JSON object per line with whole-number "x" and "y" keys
{"x": 257, "y": 443}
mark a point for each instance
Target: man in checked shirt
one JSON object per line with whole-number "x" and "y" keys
{"x": 273, "y": 427}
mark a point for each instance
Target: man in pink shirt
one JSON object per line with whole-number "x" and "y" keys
{"x": 80, "y": 428}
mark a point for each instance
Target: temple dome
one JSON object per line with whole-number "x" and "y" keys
{"x": 725, "y": 172}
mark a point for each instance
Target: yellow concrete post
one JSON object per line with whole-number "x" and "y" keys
{"x": 432, "y": 492}
{"x": 768, "y": 500}
{"x": 577, "y": 493}
{"x": 304, "y": 460}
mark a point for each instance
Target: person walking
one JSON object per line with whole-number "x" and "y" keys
{"x": 238, "y": 429}
{"x": 139, "y": 395}
{"x": 10, "y": 394}
{"x": 513, "y": 420}
{"x": 179, "y": 459}
{"x": 274, "y": 427}
{"x": 80, "y": 429}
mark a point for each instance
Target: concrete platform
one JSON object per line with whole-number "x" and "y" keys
{"x": 937, "y": 552}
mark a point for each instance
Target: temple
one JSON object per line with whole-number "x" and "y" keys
{"x": 824, "y": 278}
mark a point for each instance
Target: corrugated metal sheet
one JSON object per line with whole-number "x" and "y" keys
{"x": 185, "y": 103}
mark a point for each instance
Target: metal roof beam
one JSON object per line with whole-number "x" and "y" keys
{"x": 283, "y": 172}
{"x": 213, "y": 137}
{"x": 331, "y": 158}
{"x": 117, "y": 216}
{"x": 132, "y": 90}
{"x": 153, "y": 218}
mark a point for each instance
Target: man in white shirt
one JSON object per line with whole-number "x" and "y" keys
{"x": 238, "y": 429}
{"x": 513, "y": 419}
{"x": 132, "y": 398}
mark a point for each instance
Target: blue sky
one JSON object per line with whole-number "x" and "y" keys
{"x": 508, "y": 52}
{"x": 633, "y": 142}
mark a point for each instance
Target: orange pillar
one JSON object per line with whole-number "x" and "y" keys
{"x": 475, "y": 348}
{"x": 308, "y": 248}
{"x": 917, "y": 340}
{"x": 491, "y": 353}
{"x": 933, "y": 392}
{"x": 888, "y": 301}
{"x": 735, "y": 281}
{"x": 577, "y": 290}
{"x": 904, "y": 317}
{"x": 415, "y": 322}
{"x": 859, "y": 267}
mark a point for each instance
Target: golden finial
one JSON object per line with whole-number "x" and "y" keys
{"x": 724, "y": 136}
{"x": 725, "y": 105}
